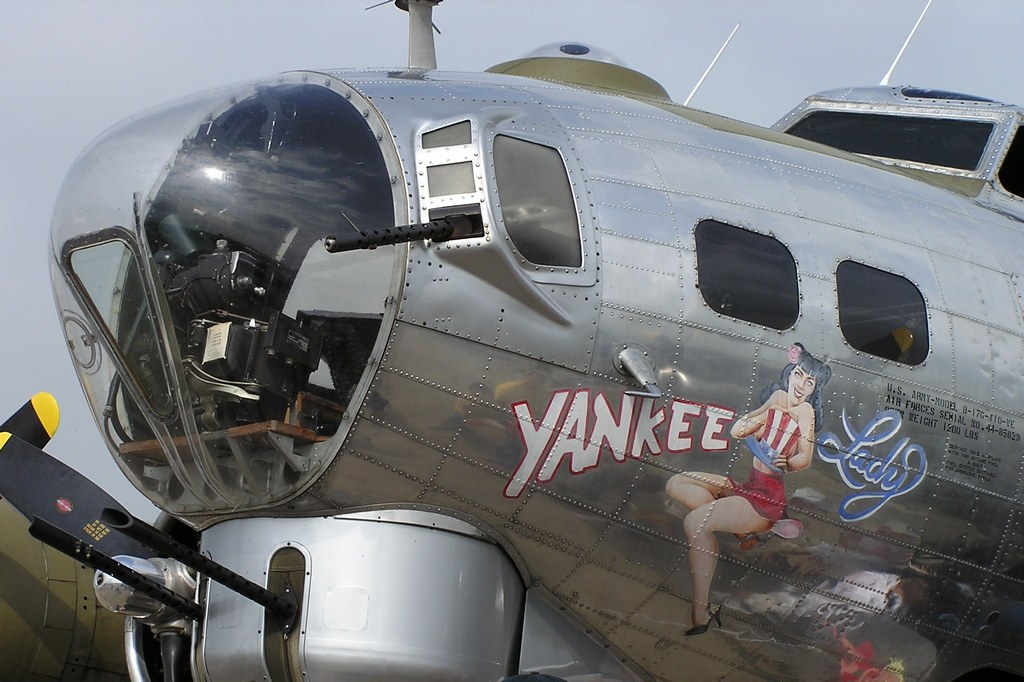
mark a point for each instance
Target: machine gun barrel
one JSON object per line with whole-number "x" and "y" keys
{"x": 142, "y": 532}
{"x": 79, "y": 550}
{"x": 442, "y": 229}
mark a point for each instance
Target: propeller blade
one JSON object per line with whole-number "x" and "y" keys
{"x": 37, "y": 485}
{"x": 36, "y": 421}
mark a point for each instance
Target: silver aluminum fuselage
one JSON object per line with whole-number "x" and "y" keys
{"x": 490, "y": 374}
{"x": 478, "y": 331}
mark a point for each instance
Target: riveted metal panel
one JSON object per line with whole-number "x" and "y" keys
{"x": 618, "y": 159}
{"x": 620, "y": 115}
{"x": 548, "y": 640}
{"x": 644, "y": 276}
{"x": 365, "y": 615}
{"x": 1007, "y": 351}
{"x": 475, "y": 288}
{"x": 978, "y": 292}
{"x": 994, "y": 618}
{"x": 414, "y": 458}
{"x": 949, "y": 514}
{"x": 973, "y": 358}
{"x": 483, "y": 296}
{"x": 652, "y": 204}
{"x": 625, "y": 325}
{"x": 1011, "y": 559}
{"x": 622, "y": 210}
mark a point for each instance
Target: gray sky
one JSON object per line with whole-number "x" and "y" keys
{"x": 71, "y": 68}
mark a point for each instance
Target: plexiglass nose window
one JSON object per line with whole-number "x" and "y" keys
{"x": 242, "y": 342}
{"x": 109, "y": 273}
{"x": 237, "y": 229}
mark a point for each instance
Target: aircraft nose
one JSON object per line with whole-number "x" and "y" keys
{"x": 236, "y": 341}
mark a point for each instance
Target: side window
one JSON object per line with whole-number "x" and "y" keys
{"x": 107, "y": 274}
{"x": 746, "y": 275}
{"x": 536, "y": 202}
{"x": 881, "y": 313}
{"x": 1011, "y": 172}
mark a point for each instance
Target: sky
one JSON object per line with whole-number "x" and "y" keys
{"x": 69, "y": 69}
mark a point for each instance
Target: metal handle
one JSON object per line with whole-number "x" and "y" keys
{"x": 634, "y": 362}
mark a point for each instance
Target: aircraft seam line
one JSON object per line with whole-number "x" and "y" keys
{"x": 631, "y": 266}
{"x": 527, "y": 530}
{"x": 523, "y": 528}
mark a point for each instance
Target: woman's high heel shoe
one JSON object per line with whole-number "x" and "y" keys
{"x": 715, "y": 616}
{"x": 749, "y": 541}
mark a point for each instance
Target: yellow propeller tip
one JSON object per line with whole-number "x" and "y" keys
{"x": 47, "y": 410}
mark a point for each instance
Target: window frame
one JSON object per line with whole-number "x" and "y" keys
{"x": 893, "y": 118}
{"x": 703, "y": 285}
{"x": 584, "y": 274}
{"x": 914, "y": 358}
{"x": 81, "y": 292}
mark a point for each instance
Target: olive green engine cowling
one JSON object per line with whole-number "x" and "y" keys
{"x": 51, "y": 627}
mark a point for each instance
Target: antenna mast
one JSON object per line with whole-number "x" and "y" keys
{"x": 711, "y": 65}
{"x": 888, "y": 74}
{"x": 421, "y": 36}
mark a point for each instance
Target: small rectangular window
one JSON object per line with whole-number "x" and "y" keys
{"x": 746, "y": 275}
{"x": 449, "y": 136}
{"x": 450, "y": 178}
{"x": 108, "y": 275}
{"x": 881, "y": 313}
{"x": 1011, "y": 171}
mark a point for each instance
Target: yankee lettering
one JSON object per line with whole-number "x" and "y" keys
{"x": 577, "y": 426}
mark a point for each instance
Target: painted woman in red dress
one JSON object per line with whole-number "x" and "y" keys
{"x": 780, "y": 435}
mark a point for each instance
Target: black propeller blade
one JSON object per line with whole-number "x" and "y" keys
{"x": 74, "y": 515}
{"x": 36, "y": 421}
{"x": 37, "y": 485}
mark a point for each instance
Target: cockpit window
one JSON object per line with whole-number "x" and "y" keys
{"x": 881, "y": 313}
{"x": 537, "y": 205}
{"x": 1011, "y": 171}
{"x": 945, "y": 142}
{"x": 746, "y": 275}
{"x": 930, "y": 93}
